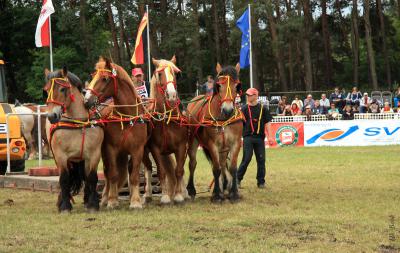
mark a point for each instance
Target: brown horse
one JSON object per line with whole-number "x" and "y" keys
{"x": 125, "y": 134}
{"x": 169, "y": 135}
{"x": 219, "y": 132}
{"x": 74, "y": 139}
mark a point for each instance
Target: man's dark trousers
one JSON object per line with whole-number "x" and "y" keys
{"x": 251, "y": 143}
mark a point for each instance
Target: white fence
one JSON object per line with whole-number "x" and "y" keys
{"x": 301, "y": 118}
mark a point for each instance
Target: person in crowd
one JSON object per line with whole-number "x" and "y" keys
{"x": 337, "y": 98}
{"x": 397, "y": 107}
{"x": 141, "y": 85}
{"x": 287, "y": 111}
{"x": 295, "y": 109}
{"x": 281, "y": 108}
{"x": 208, "y": 86}
{"x": 348, "y": 113}
{"x": 298, "y": 102}
{"x": 396, "y": 98}
{"x": 374, "y": 107}
{"x": 309, "y": 101}
{"x": 324, "y": 103}
{"x": 284, "y": 100}
{"x": 386, "y": 108}
{"x": 333, "y": 112}
{"x": 365, "y": 102}
{"x": 257, "y": 116}
{"x": 354, "y": 97}
{"x": 317, "y": 109}
{"x": 308, "y": 112}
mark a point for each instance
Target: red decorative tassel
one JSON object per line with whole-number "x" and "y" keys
{"x": 72, "y": 97}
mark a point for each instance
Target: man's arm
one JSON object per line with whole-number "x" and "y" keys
{"x": 267, "y": 115}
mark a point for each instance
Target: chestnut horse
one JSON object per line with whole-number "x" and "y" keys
{"x": 125, "y": 134}
{"x": 74, "y": 139}
{"x": 219, "y": 132}
{"x": 169, "y": 135}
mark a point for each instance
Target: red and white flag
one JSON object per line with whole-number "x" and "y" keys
{"x": 42, "y": 35}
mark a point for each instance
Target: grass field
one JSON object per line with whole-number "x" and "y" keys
{"x": 316, "y": 200}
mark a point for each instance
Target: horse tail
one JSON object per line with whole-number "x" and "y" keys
{"x": 76, "y": 176}
{"x": 207, "y": 154}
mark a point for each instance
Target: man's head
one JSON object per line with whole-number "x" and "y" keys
{"x": 387, "y": 104}
{"x": 252, "y": 95}
{"x": 323, "y": 96}
{"x": 309, "y": 97}
{"x": 333, "y": 106}
{"x": 316, "y": 104}
{"x": 137, "y": 75}
{"x": 336, "y": 89}
{"x": 365, "y": 95}
{"x": 210, "y": 79}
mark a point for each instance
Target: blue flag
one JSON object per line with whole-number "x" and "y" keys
{"x": 244, "y": 26}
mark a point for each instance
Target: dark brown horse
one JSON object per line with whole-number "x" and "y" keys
{"x": 74, "y": 139}
{"x": 169, "y": 135}
{"x": 125, "y": 134}
{"x": 219, "y": 132}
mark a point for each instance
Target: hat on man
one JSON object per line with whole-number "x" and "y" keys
{"x": 252, "y": 91}
{"x": 137, "y": 71}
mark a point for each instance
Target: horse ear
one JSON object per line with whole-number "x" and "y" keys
{"x": 64, "y": 71}
{"x": 86, "y": 84}
{"x": 108, "y": 63}
{"x": 237, "y": 67}
{"x": 46, "y": 72}
{"x": 173, "y": 59}
{"x": 155, "y": 62}
{"x": 218, "y": 68}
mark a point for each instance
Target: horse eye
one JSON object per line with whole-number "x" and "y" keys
{"x": 63, "y": 89}
{"x": 105, "y": 79}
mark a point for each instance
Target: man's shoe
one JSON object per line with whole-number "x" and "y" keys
{"x": 261, "y": 186}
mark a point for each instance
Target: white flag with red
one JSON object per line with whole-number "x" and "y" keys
{"x": 42, "y": 35}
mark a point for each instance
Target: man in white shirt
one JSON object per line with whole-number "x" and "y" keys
{"x": 324, "y": 103}
{"x": 365, "y": 102}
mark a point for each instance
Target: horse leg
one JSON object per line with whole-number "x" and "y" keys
{"x": 64, "y": 197}
{"x": 148, "y": 171}
{"x": 180, "y": 156}
{"x": 192, "y": 167}
{"x": 234, "y": 192}
{"x": 165, "y": 198}
{"x": 134, "y": 178}
{"x": 106, "y": 189}
{"x": 217, "y": 195}
{"x": 91, "y": 184}
{"x": 225, "y": 177}
{"x": 112, "y": 176}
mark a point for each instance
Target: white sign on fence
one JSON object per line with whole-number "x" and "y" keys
{"x": 352, "y": 133}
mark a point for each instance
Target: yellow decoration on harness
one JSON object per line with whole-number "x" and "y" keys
{"x": 259, "y": 119}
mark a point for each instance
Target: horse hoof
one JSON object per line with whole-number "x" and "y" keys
{"x": 165, "y": 200}
{"x": 234, "y": 198}
{"x": 104, "y": 202}
{"x": 148, "y": 199}
{"x": 136, "y": 205}
{"x": 179, "y": 199}
{"x": 112, "y": 205}
{"x": 66, "y": 211}
{"x": 216, "y": 199}
{"x": 92, "y": 210}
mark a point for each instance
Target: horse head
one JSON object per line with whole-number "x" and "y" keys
{"x": 227, "y": 87}
{"x": 58, "y": 89}
{"x": 165, "y": 77}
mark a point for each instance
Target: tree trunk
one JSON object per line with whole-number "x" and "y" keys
{"x": 122, "y": 30}
{"x": 276, "y": 48}
{"x": 223, "y": 31}
{"x": 355, "y": 42}
{"x": 306, "y": 44}
{"x": 327, "y": 45}
{"x": 216, "y": 31}
{"x": 85, "y": 32}
{"x": 116, "y": 54}
{"x": 384, "y": 45}
{"x": 370, "y": 49}
{"x": 290, "y": 47}
{"x": 196, "y": 40}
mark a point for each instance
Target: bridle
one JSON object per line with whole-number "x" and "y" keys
{"x": 102, "y": 73}
{"x": 64, "y": 82}
{"x": 162, "y": 87}
{"x": 228, "y": 95}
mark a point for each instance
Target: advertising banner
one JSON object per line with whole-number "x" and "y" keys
{"x": 285, "y": 134}
{"x": 352, "y": 133}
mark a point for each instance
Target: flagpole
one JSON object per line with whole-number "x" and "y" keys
{"x": 250, "y": 47}
{"x": 148, "y": 42}
{"x": 51, "y": 46}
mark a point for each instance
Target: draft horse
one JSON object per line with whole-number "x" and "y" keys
{"x": 170, "y": 134}
{"x": 218, "y": 131}
{"x": 126, "y": 131}
{"x": 74, "y": 139}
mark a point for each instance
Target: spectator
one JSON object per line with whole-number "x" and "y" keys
{"x": 365, "y": 102}
{"x": 298, "y": 102}
{"x": 374, "y": 107}
{"x": 284, "y": 100}
{"x": 309, "y": 101}
{"x": 141, "y": 86}
{"x": 348, "y": 113}
{"x": 333, "y": 112}
{"x": 324, "y": 103}
{"x": 308, "y": 113}
{"x": 337, "y": 98}
{"x": 295, "y": 109}
{"x": 386, "y": 108}
{"x": 281, "y": 108}
{"x": 397, "y": 108}
{"x": 317, "y": 110}
{"x": 208, "y": 86}
{"x": 287, "y": 111}
{"x": 354, "y": 97}
{"x": 397, "y": 96}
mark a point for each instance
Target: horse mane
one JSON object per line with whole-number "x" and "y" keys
{"x": 73, "y": 79}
